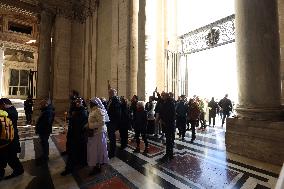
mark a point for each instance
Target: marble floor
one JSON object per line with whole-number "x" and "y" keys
{"x": 202, "y": 164}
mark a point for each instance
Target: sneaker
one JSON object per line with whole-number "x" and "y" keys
{"x": 15, "y": 174}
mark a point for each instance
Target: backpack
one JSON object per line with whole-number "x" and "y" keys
{"x": 6, "y": 131}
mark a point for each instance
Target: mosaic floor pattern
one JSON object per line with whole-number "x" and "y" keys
{"x": 202, "y": 164}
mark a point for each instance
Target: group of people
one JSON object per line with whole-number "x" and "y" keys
{"x": 88, "y": 127}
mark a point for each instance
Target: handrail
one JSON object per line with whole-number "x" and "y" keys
{"x": 280, "y": 181}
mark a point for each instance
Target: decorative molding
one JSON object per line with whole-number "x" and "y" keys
{"x": 212, "y": 35}
{"x": 18, "y": 46}
{"x": 71, "y": 9}
{"x": 18, "y": 65}
{"x": 19, "y": 7}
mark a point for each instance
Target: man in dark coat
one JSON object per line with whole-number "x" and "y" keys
{"x": 124, "y": 123}
{"x": 77, "y": 151}
{"x": 167, "y": 115}
{"x": 226, "y": 106}
{"x": 213, "y": 107}
{"x": 28, "y": 107}
{"x": 44, "y": 127}
{"x": 114, "y": 113}
{"x": 181, "y": 113}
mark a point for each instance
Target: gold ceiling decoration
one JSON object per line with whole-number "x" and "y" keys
{"x": 72, "y": 9}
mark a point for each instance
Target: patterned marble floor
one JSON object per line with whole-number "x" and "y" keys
{"x": 202, "y": 164}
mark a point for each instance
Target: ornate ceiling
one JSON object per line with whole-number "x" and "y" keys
{"x": 72, "y": 9}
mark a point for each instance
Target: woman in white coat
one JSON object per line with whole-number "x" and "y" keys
{"x": 97, "y": 141}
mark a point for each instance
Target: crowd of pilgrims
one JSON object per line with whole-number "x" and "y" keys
{"x": 90, "y": 127}
{"x": 160, "y": 116}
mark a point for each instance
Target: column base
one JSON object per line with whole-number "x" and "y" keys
{"x": 256, "y": 139}
{"x": 272, "y": 114}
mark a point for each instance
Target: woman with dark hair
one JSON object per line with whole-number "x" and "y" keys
{"x": 76, "y": 139}
{"x": 97, "y": 140}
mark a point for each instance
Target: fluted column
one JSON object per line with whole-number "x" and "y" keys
{"x": 141, "y": 50}
{"x": 134, "y": 7}
{"x": 44, "y": 63}
{"x": 1, "y": 69}
{"x": 258, "y": 58}
{"x": 281, "y": 29}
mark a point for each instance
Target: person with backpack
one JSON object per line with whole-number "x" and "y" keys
{"x": 44, "y": 127}
{"x": 181, "y": 113}
{"x": 8, "y": 152}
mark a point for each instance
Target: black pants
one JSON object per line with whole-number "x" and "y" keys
{"x": 111, "y": 128}
{"x": 170, "y": 134}
{"x": 144, "y": 137}
{"x": 212, "y": 117}
{"x": 8, "y": 155}
{"x": 123, "y": 136}
{"x": 29, "y": 117}
{"x": 44, "y": 145}
{"x": 193, "y": 124}
{"x": 181, "y": 125}
{"x": 225, "y": 115}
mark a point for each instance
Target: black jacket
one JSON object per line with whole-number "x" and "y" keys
{"x": 45, "y": 121}
{"x": 140, "y": 120}
{"x": 167, "y": 112}
{"x": 114, "y": 110}
{"x": 28, "y": 105}
{"x": 214, "y": 108}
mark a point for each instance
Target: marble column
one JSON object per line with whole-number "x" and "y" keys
{"x": 258, "y": 58}
{"x": 141, "y": 75}
{"x": 258, "y": 130}
{"x": 44, "y": 64}
{"x": 61, "y": 63}
{"x": 134, "y": 7}
{"x": 1, "y": 69}
{"x": 281, "y": 29}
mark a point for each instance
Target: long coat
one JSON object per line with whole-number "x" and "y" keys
{"x": 97, "y": 144}
{"x": 76, "y": 136}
